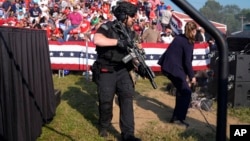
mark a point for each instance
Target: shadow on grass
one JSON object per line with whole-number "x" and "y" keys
{"x": 85, "y": 101}
{"x": 164, "y": 113}
{"x": 60, "y": 133}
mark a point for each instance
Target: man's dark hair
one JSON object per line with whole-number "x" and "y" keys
{"x": 124, "y": 9}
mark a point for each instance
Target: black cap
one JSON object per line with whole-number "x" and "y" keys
{"x": 124, "y": 8}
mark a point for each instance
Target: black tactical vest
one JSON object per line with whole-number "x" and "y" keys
{"x": 112, "y": 55}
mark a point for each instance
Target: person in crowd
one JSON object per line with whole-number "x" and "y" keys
{"x": 142, "y": 16}
{"x": 147, "y": 7}
{"x": 110, "y": 73}
{"x": 75, "y": 37}
{"x": 58, "y": 2}
{"x": 75, "y": 19}
{"x": 142, "y": 25}
{"x": 160, "y": 7}
{"x": 45, "y": 11}
{"x": 1, "y": 11}
{"x": 2, "y": 20}
{"x": 20, "y": 15}
{"x": 152, "y": 14}
{"x": 54, "y": 11}
{"x": 16, "y": 6}
{"x": 200, "y": 35}
{"x": 56, "y": 34}
{"x": 212, "y": 44}
{"x": 11, "y": 20}
{"x": 152, "y": 34}
{"x": 85, "y": 28}
{"x": 37, "y": 26}
{"x": 176, "y": 65}
{"x": 7, "y": 8}
{"x": 167, "y": 36}
{"x": 105, "y": 8}
{"x": 113, "y": 3}
{"x": 95, "y": 25}
{"x": 45, "y": 2}
{"x": 35, "y": 14}
{"x": 64, "y": 4}
{"x": 26, "y": 24}
{"x": 166, "y": 15}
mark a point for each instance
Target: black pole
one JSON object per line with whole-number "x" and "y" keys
{"x": 223, "y": 65}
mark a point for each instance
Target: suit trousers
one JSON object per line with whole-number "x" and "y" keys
{"x": 183, "y": 95}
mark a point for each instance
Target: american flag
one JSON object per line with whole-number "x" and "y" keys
{"x": 80, "y": 56}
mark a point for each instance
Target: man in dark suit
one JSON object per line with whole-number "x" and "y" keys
{"x": 176, "y": 64}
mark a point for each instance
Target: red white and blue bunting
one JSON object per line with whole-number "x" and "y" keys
{"x": 80, "y": 56}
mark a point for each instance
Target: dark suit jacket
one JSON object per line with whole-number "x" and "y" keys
{"x": 177, "y": 60}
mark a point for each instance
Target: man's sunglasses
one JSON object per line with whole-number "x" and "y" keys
{"x": 132, "y": 15}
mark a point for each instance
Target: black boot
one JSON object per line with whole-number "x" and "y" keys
{"x": 180, "y": 122}
{"x": 130, "y": 138}
{"x": 103, "y": 132}
{"x": 184, "y": 123}
{"x": 173, "y": 119}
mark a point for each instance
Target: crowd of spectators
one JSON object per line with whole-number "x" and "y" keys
{"x": 77, "y": 20}
{"x": 57, "y": 18}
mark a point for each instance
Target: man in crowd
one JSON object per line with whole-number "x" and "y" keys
{"x": 152, "y": 34}
{"x": 75, "y": 19}
{"x": 35, "y": 14}
{"x": 167, "y": 36}
{"x": 166, "y": 15}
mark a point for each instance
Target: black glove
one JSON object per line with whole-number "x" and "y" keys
{"x": 141, "y": 71}
{"x": 123, "y": 44}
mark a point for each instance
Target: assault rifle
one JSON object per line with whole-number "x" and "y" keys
{"x": 135, "y": 53}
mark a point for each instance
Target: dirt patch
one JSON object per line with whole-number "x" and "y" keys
{"x": 157, "y": 106}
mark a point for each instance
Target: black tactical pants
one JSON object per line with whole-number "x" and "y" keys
{"x": 120, "y": 83}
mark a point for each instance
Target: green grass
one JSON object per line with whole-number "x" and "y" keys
{"x": 76, "y": 116}
{"x": 243, "y": 114}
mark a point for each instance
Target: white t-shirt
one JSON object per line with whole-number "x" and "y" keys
{"x": 167, "y": 39}
{"x": 45, "y": 11}
{"x": 40, "y": 2}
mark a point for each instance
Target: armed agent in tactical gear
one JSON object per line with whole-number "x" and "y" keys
{"x": 111, "y": 74}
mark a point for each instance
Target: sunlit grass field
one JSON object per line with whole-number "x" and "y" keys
{"x": 76, "y": 116}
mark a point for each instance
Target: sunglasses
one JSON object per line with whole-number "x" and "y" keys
{"x": 132, "y": 15}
